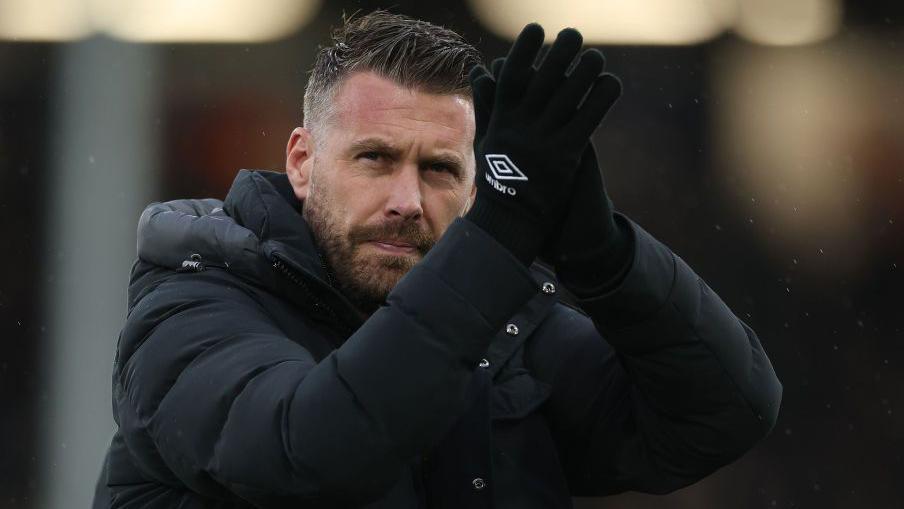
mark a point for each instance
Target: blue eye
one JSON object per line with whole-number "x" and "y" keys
{"x": 371, "y": 156}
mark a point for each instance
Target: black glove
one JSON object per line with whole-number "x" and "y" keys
{"x": 596, "y": 248}
{"x": 534, "y": 136}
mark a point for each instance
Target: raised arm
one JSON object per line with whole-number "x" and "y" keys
{"x": 678, "y": 388}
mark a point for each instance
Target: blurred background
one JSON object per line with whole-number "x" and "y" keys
{"x": 763, "y": 140}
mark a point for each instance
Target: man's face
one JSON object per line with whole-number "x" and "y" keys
{"x": 393, "y": 169}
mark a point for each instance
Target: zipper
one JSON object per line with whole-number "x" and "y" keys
{"x": 196, "y": 264}
{"x": 326, "y": 270}
{"x": 319, "y": 306}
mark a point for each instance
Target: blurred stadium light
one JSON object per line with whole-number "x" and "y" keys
{"x": 49, "y": 20}
{"x": 611, "y": 21}
{"x": 781, "y": 22}
{"x": 155, "y": 20}
{"x": 810, "y": 137}
{"x": 666, "y": 21}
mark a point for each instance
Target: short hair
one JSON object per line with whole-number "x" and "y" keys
{"x": 412, "y": 53}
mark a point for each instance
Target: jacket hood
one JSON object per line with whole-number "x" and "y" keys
{"x": 264, "y": 202}
{"x": 257, "y": 233}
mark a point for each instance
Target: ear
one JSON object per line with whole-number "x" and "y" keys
{"x": 300, "y": 161}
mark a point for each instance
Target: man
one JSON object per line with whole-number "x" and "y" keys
{"x": 367, "y": 329}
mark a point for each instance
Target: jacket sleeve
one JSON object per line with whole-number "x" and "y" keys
{"x": 679, "y": 387}
{"x": 211, "y": 395}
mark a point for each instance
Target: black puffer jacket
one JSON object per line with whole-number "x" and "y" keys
{"x": 242, "y": 379}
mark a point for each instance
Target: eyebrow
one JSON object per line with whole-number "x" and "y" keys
{"x": 381, "y": 145}
{"x": 447, "y": 159}
{"x": 375, "y": 145}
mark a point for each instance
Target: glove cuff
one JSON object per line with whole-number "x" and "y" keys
{"x": 515, "y": 231}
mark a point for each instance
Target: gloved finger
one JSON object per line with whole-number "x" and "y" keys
{"x": 496, "y": 67}
{"x": 551, "y": 73}
{"x": 563, "y": 106}
{"x": 483, "y": 88}
{"x": 602, "y": 96}
{"x": 513, "y": 77}
{"x": 476, "y": 72}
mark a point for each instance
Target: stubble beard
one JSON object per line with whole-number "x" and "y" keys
{"x": 363, "y": 276}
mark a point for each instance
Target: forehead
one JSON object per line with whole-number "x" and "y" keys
{"x": 367, "y": 102}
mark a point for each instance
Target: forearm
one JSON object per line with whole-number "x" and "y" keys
{"x": 700, "y": 387}
{"x": 663, "y": 307}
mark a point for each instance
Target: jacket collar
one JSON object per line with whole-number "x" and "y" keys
{"x": 258, "y": 234}
{"x": 264, "y": 202}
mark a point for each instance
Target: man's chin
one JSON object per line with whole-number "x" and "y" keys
{"x": 380, "y": 272}
{"x": 370, "y": 273}
{"x": 387, "y": 266}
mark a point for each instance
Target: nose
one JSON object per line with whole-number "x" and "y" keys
{"x": 405, "y": 198}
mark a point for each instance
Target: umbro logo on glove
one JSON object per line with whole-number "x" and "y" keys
{"x": 502, "y": 168}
